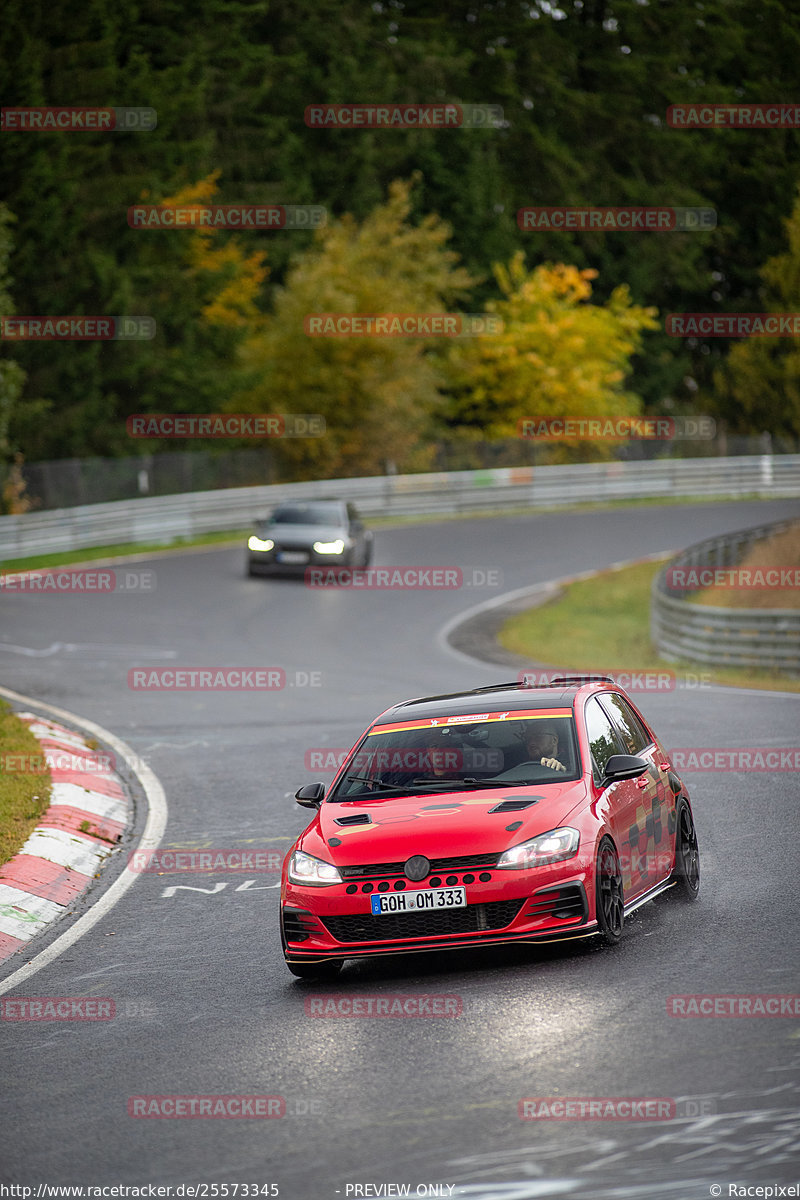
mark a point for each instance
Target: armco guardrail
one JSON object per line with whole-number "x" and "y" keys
{"x": 734, "y": 637}
{"x": 162, "y": 518}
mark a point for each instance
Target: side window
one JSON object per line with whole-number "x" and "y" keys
{"x": 634, "y": 736}
{"x": 600, "y": 731}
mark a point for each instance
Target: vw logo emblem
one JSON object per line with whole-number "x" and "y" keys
{"x": 417, "y": 868}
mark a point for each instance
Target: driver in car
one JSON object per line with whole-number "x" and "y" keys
{"x": 541, "y": 742}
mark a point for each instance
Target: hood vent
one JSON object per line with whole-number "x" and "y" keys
{"x": 354, "y": 819}
{"x": 509, "y": 806}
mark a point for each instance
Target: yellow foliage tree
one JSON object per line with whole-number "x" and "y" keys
{"x": 558, "y": 355}
{"x": 236, "y": 276}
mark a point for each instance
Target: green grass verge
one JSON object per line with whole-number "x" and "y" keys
{"x": 24, "y": 792}
{"x": 602, "y": 624}
{"x": 122, "y": 550}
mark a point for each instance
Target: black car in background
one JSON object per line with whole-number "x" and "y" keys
{"x": 309, "y": 533}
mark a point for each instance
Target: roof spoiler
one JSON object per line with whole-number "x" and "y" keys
{"x": 569, "y": 679}
{"x": 555, "y": 681}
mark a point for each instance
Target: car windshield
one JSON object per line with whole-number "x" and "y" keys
{"x": 502, "y": 750}
{"x": 307, "y": 514}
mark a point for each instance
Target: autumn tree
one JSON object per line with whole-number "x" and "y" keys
{"x": 375, "y": 393}
{"x": 558, "y": 355}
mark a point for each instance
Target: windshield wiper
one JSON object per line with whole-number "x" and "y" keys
{"x": 373, "y": 794}
{"x": 458, "y": 785}
{"x": 392, "y": 787}
{"x": 417, "y": 785}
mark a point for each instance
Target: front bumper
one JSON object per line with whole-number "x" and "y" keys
{"x": 267, "y": 560}
{"x": 317, "y": 926}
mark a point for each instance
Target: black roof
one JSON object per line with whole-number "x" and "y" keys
{"x": 559, "y": 694}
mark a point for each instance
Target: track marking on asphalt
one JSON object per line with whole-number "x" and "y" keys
{"x": 248, "y": 886}
{"x": 155, "y": 824}
{"x": 115, "y": 650}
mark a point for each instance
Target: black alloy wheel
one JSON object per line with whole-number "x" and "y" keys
{"x": 610, "y": 901}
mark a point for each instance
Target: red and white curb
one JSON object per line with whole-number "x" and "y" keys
{"x": 88, "y": 814}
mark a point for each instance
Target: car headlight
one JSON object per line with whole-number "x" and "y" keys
{"x": 305, "y": 869}
{"x": 336, "y": 547}
{"x": 549, "y": 847}
{"x": 257, "y": 543}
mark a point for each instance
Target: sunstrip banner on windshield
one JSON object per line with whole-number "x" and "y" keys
{"x": 527, "y": 714}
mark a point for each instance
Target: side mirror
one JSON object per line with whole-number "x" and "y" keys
{"x": 624, "y": 766}
{"x": 310, "y": 795}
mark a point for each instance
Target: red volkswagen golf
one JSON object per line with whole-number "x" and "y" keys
{"x": 504, "y": 814}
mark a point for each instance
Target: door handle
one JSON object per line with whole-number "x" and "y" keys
{"x": 643, "y": 781}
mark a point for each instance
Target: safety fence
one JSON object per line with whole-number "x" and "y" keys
{"x": 734, "y": 637}
{"x": 161, "y": 519}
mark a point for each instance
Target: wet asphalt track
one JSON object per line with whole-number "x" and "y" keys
{"x": 205, "y": 1003}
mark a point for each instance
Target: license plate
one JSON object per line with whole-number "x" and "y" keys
{"x": 430, "y": 900}
{"x": 293, "y": 556}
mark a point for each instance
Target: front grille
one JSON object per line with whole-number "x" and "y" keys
{"x": 387, "y": 870}
{"x": 475, "y": 918}
{"x": 563, "y": 903}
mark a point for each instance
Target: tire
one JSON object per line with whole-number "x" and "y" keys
{"x": 609, "y": 898}
{"x": 321, "y": 971}
{"x": 367, "y": 560}
{"x": 687, "y": 856}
